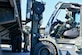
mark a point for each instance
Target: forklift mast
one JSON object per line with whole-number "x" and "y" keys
{"x": 34, "y": 13}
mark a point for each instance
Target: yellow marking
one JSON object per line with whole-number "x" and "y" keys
{"x": 60, "y": 45}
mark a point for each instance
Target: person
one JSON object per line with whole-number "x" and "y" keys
{"x": 61, "y": 28}
{"x": 70, "y": 19}
{"x": 16, "y": 40}
{"x": 26, "y": 38}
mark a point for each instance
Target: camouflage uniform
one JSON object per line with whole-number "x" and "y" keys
{"x": 70, "y": 20}
{"x": 26, "y": 38}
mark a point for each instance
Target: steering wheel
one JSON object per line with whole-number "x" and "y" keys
{"x": 59, "y": 21}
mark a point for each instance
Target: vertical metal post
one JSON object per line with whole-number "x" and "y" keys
{"x": 29, "y": 6}
{"x": 81, "y": 26}
{"x": 16, "y": 13}
{"x": 73, "y": 15}
{"x": 34, "y": 31}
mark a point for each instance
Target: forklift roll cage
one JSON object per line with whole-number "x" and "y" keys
{"x": 73, "y": 7}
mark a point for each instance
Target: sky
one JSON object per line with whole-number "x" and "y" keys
{"x": 49, "y": 8}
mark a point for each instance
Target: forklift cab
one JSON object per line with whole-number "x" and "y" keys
{"x": 66, "y": 22}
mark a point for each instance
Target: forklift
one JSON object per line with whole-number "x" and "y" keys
{"x": 48, "y": 44}
{"x": 65, "y": 44}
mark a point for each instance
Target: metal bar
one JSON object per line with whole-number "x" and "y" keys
{"x": 6, "y": 22}
{"x": 8, "y": 28}
{"x": 8, "y": 32}
{"x": 28, "y": 11}
{"x": 11, "y": 3}
{"x": 34, "y": 30}
{"x": 17, "y": 14}
{"x": 81, "y": 25}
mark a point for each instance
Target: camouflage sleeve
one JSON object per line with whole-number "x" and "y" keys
{"x": 26, "y": 32}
